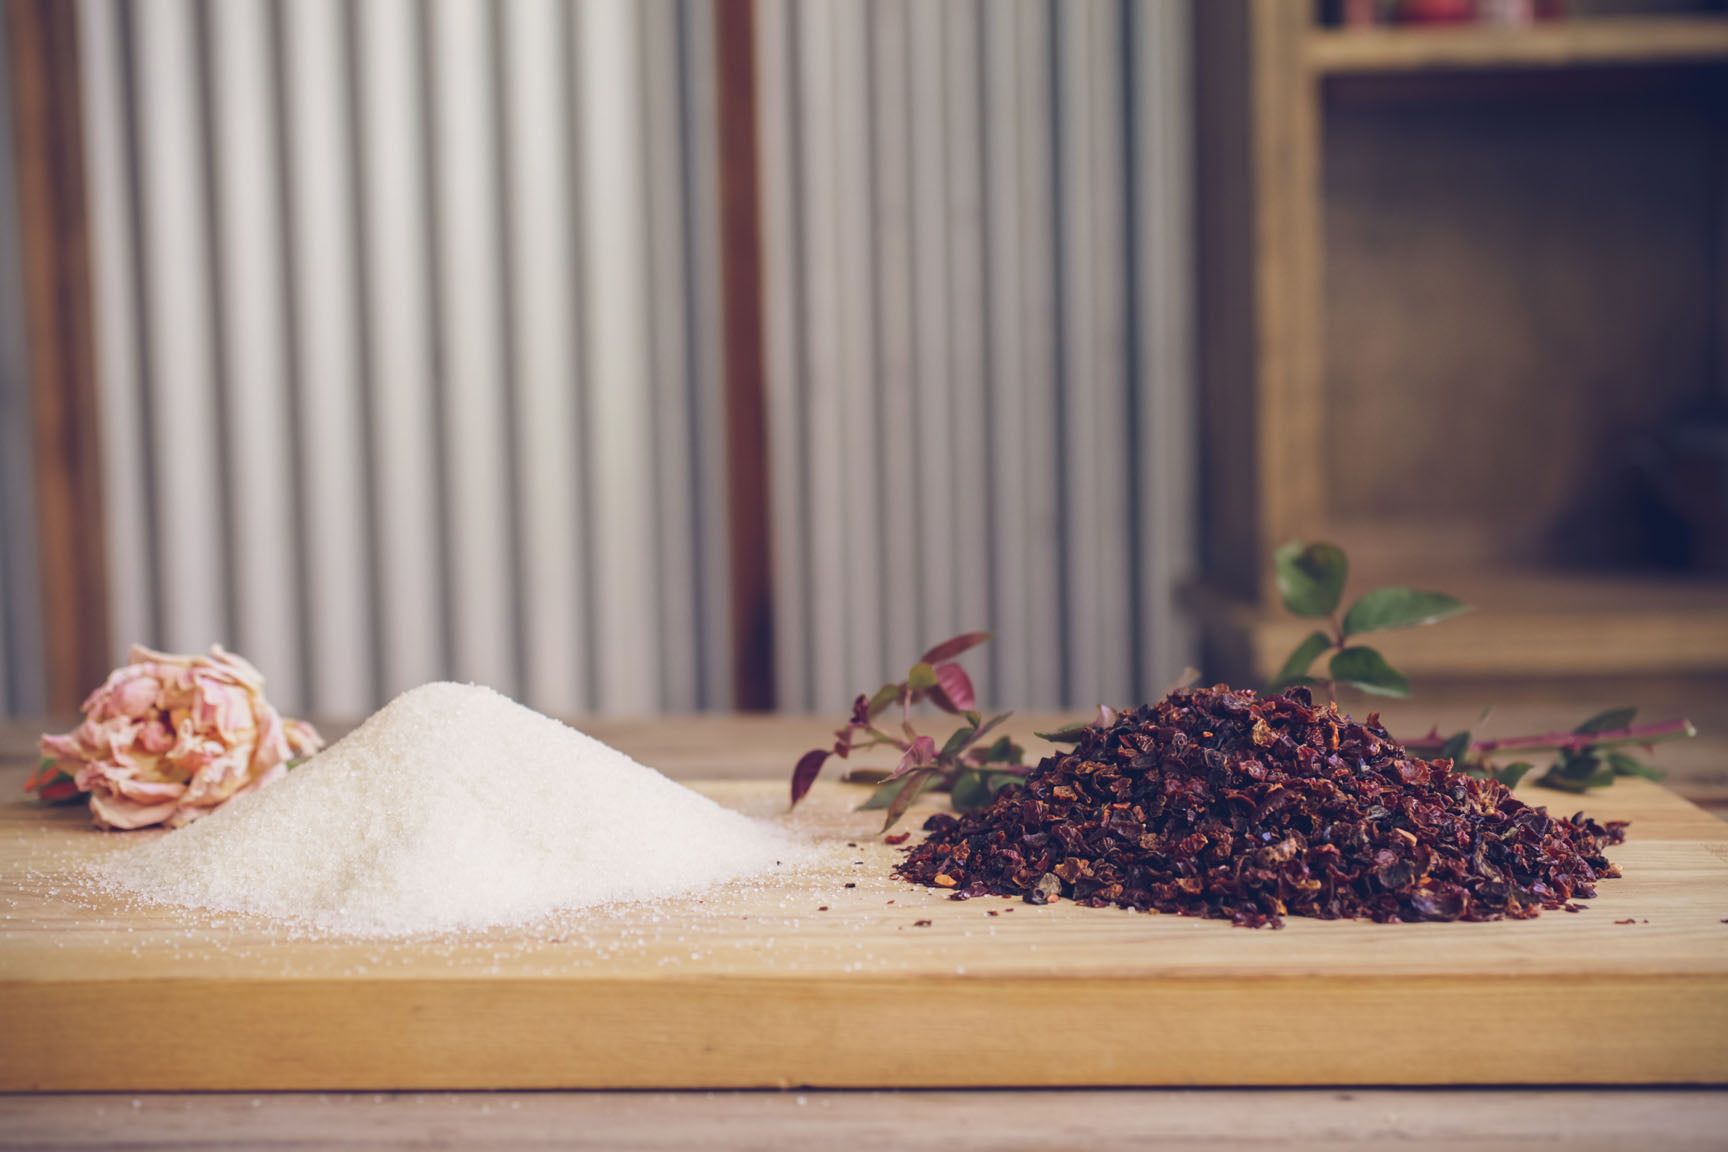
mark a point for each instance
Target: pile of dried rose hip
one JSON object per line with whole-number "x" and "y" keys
{"x": 1218, "y": 803}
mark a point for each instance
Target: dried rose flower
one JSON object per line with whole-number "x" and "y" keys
{"x": 167, "y": 739}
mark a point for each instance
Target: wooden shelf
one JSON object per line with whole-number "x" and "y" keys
{"x": 1526, "y": 624}
{"x": 1616, "y": 41}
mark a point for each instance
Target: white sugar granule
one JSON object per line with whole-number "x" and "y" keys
{"x": 451, "y": 808}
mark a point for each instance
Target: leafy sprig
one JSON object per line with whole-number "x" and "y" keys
{"x": 1311, "y": 579}
{"x": 1592, "y": 755}
{"x": 963, "y": 764}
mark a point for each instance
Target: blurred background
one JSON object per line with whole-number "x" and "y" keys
{"x": 710, "y": 354}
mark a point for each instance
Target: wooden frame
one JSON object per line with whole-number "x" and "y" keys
{"x": 43, "y": 40}
{"x": 1261, "y": 67}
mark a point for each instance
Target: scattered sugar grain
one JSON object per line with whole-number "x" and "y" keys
{"x": 452, "y": 808}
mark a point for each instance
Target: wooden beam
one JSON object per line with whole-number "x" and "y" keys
{"x": 745, "y": 374}
{"x": 43, "y": 41}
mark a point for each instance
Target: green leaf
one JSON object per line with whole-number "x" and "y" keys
{"x": 922, "y": 678}
{"x": 1296, "y": 666}
{"x": 1513, "y": 772}
{"x": 1311, "y": 577}
{"x": 1399, "y": 608}
{"x": 1003, "y": 751}
{"x": 885, "y": 696}
{"x": 1608, "y": 721}
{"x": 883, "y": 794}
{"x": 915, "y": 786}
{"x": 1625, "y": 764}
{"x": 1553, "y": 779}
{"x": 1364, "y": 668}
{"x": 1455, "y": 748}
{"x": 1578, "y": 763}
{"x": 957, "y": 741}
{"x": 971, "y": 791}
{"x": 1072, "y": 734}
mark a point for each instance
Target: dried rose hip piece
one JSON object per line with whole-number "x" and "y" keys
{"x": 1220, "y": 803}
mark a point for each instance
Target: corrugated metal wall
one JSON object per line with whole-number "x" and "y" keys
{"x": 977, "y": 219}
{"x": 409, "y": 343}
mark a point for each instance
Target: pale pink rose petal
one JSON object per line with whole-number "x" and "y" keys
{"x": 118, "y": 812}
{"x": 155, "y": 737}
{"x": 136, "y": 696}
{"x": 303, "y": 739}
{"x": 166, "y": 738}
{"x": 142, "y": 791}
{"x": 219, "y": 780}
{"x": 63, "y": 747}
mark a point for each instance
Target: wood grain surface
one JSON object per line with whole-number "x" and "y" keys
{"x": 804, "y": 981}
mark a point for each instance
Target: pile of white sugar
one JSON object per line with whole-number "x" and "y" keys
{"x": 451, "y": 808}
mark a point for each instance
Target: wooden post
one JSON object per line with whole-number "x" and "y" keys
{"x": 746, "y": 399}
{"x": 43, "y": 40}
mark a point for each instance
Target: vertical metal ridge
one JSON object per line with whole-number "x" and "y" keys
{"x": 896, "y": 503}
{"x": 149, "y": 417}
{"x": 629, "y": 641}
{"x": 291, "y": 308}
{"x": 373, "y": 511}
{"x": 470, "y": 328}
{"x": 431, "y": 163}
{"x": 1108, "y": 335}
{"x": 990, "y": 450}
{"x": 1161, "y": 147}
{"x": 963, "y": 186}
{"x": 227, "y": 584}
{"x": 832, "y": 584}
{"x": 1005, "y": 365}
{"x": 661, "y": 154}
{"x": 398, "y": 367}
{"x": 1061, "y": 262}
{"x": 709, "y": 394}
{"x": 543, "y": 348}
{"x": 771, "y": 45}
{"x": 798, "y": 369}
{"x": 1037, "y": 314}
{"x": 855, "y": 353}
{"x": 177, "y": 308}
{"x": 933, "y": 396}
{"x": 517, "y": 602}
{"x": 588, "y": 666}
{"x": 328, "y": 387}
{"x": 247, "y": 201}
{"x": 1142, "y": 536}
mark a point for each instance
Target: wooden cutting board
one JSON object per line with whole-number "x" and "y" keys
{"x": 841, "y": 976}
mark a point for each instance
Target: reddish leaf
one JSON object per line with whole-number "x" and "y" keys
{"x": 804, "y": 775}
{"x": 861, "y": 711}
{"x": 949, "y": 649}
{"x": 46, "y": 770}
{"x": 953, "y": 691}
{"x": 921, "y": 753}
{"x": 64, "y": 788}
